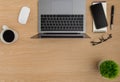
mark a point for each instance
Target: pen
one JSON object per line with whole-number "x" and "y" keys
{"x": 112, "y": 17}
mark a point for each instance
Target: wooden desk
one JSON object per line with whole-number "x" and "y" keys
{"x": 53, "y": 60}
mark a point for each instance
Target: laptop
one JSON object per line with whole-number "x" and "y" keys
{"x": 62, "y": 18}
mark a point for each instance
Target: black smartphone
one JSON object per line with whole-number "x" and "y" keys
{"x": 98, "y": 15}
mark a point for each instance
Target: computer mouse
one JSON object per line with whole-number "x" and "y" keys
{"x": 24, "y": 15}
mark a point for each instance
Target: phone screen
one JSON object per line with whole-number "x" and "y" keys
{"x": 99, "y": 15}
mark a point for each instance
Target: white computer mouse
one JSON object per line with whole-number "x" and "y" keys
{"x": 24, "y": 15}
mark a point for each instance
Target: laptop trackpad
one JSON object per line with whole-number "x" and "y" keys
{"x": 62, "y": 6}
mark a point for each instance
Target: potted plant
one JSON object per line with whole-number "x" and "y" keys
{"x": 109, "y": 69}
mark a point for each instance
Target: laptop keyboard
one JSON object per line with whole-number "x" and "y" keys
{"x": 62, "y": 22}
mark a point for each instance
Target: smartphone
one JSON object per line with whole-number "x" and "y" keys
{"x": 98, "y": 15}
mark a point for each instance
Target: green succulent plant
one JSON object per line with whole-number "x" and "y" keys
{"x": 109, "y": 69}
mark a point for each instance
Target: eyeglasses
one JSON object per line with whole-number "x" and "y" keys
{"x": 102, "y": 39}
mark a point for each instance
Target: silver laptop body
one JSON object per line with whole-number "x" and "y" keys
{"x": 59, "y": 8}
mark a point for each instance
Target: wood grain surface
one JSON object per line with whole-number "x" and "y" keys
{"x": 54, "y": 60}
